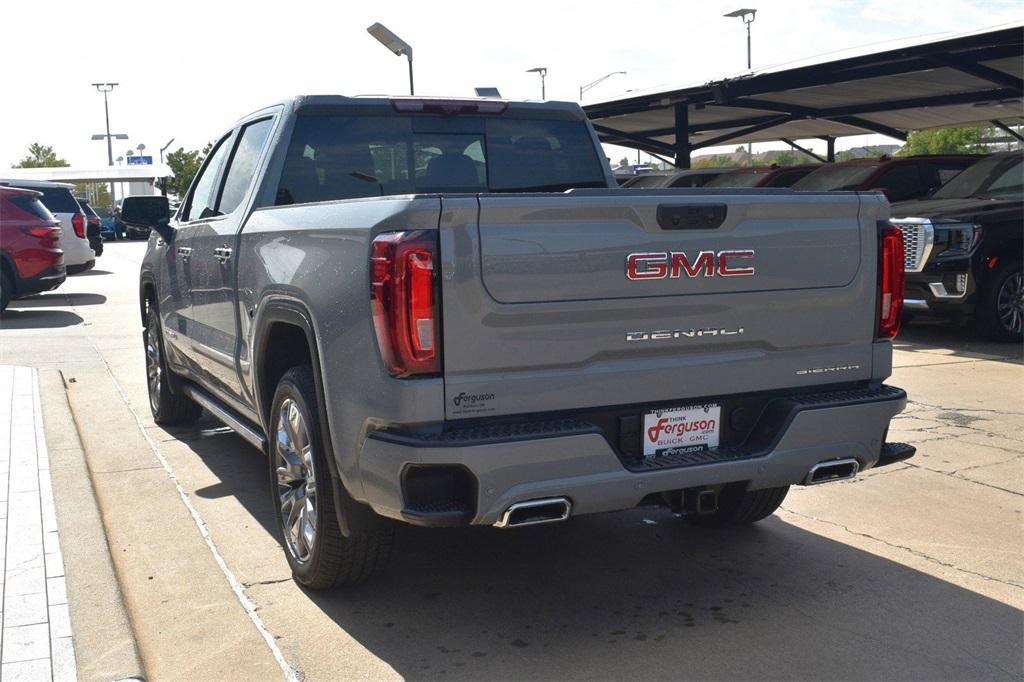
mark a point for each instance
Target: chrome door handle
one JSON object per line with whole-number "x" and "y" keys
{"x": 222, "y": 254}
{"x": 184, "y": 251}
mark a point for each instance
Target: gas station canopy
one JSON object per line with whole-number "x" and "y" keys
{"x": 973, "y": 78}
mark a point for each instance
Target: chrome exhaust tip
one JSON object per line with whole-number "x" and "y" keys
{"x": 832, "y": 470}
{"x": 535, "y": 512}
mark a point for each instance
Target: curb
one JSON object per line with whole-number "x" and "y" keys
{"x": 105, "y": 647}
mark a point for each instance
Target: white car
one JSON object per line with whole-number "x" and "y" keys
{"x": 57, "y": 197}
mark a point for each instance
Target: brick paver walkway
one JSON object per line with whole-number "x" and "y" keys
{"x": 35, "y": 638}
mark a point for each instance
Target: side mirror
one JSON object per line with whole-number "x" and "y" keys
{"x": 148, "y": 212}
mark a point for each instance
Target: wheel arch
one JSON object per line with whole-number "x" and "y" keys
{"x": 281, "y": 324}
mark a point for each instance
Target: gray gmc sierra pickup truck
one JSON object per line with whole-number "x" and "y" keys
{"x": 443, "y": 312}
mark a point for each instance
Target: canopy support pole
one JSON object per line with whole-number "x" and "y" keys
{"x": 803, "y": 150}
{"x": 682, "y": 110}
{"x": 1007, "y": 129}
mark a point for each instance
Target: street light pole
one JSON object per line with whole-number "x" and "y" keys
{"x": 105, "y": 88}
{"x": 543, "y": 71}
{"x": 163, "y": 180}
{"x": 743, "y": 15}
{"x": 602, "y": 79}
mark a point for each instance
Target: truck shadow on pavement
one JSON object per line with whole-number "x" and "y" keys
{"x": 59, "y": 298}
{"x": 642, "y": 595}
{"x": 958, "y": 339}
{"x": 29, "y": 318}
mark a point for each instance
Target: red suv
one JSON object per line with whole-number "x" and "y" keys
{"x": 31, "y": 260}
{"x": 900, "y": 178}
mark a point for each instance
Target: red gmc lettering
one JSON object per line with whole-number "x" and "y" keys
{"x": 705, "y": 261}
{"x": 672, "y": 264}
{"x": 654, "y": 270}
{"x": 723, "y": 268}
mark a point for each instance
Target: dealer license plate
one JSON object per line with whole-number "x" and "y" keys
{"x": 681, "y": 429}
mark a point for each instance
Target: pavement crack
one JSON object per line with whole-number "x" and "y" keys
{"x": 266, "y": 582}
{"x": 954, "y": 474}
{"x": 916, "y": 552}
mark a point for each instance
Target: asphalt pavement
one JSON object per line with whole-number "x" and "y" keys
{"x": 911, "y": 572}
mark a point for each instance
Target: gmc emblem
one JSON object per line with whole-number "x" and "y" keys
{"x": 673, "y": 264}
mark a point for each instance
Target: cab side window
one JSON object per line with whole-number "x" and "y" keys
{"x": 202, "y": 203}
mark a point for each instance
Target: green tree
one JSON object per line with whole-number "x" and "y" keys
{"x": 41, "y": 156}
{"x": 945, "y": 141}
{"x": 97, "y": 193}
{"x": 184, "y": 164}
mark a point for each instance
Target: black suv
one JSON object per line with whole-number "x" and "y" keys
{"x": 964, "y": 244}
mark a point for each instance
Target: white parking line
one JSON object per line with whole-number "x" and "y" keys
{"x": 233, "y": 581}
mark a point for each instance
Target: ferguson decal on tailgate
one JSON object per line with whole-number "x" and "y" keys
{"x": 672, "y": 264}
{"x": 681, "y": 429}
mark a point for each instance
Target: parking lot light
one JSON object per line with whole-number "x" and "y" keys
{"x": 395, "y": 44}
{"x": 543, "y": 71}
{"x": 602, "y": 79}
{"x": 743, "y": 14}
{"x": 105, "y": 88}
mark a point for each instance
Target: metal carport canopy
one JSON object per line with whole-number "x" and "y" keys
{"x": 962, "y": 79}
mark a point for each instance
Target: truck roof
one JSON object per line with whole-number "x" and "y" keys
{"x": 312, "y": 104}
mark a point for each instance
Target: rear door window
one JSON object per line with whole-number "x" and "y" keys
{"x": 243, "y": 164}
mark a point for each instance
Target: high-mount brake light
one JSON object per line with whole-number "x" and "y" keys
{"x": 78, "y": 222}
{"x": 419, "y": 105}
{"x": 404, "y": 299}
{"x": 890, "y": 282}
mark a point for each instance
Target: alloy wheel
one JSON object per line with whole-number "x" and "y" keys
{"x": 296, "y": 480}
{"x": 1010, "y": 303}
{"x": 154, "y": 373}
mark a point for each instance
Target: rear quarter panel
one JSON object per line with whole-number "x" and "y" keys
{"x": 317, "y": 256}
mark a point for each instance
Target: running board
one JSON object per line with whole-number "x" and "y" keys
{"x": 225, "y": 416}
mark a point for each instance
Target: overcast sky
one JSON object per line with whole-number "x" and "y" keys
{"x": 188, "y": 69}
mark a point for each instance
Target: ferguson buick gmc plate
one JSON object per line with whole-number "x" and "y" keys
{"x": 681, "y": 429}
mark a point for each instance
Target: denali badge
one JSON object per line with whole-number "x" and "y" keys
{"x": 662, "y": 334}
{"x": 828, "y": 370}
{"x": 672, "y": 264}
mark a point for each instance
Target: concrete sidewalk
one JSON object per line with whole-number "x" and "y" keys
{"x": 54, "y": 626}
{"x": 36, "y": 627}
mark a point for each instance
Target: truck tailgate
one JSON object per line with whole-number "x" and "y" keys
{"x": 554, "y": 302}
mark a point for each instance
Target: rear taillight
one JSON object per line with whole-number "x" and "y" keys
{"x": 890, "y": 282}
{"x": 78, "y": 222}
{"x": 46, "y": 232}
{"x": 404, "y": 297}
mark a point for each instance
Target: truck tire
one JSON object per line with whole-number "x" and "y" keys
{"x": 6, "y": 290}
{"x": 319, "y": 554}
{"x": 167, "y": 408}
{"x": 1001, "y": 309}
{"x": 738, "y": 506}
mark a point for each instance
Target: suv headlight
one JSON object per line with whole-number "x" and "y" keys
{"x": 956, "y": 239}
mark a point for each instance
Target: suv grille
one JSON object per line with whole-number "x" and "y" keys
{"x": 918, "y": 238}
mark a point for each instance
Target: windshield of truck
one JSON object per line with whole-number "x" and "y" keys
{"x": 345, "y": 157}
{"x": 832, "y": 178}
{"x": 1000, "y": 176}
